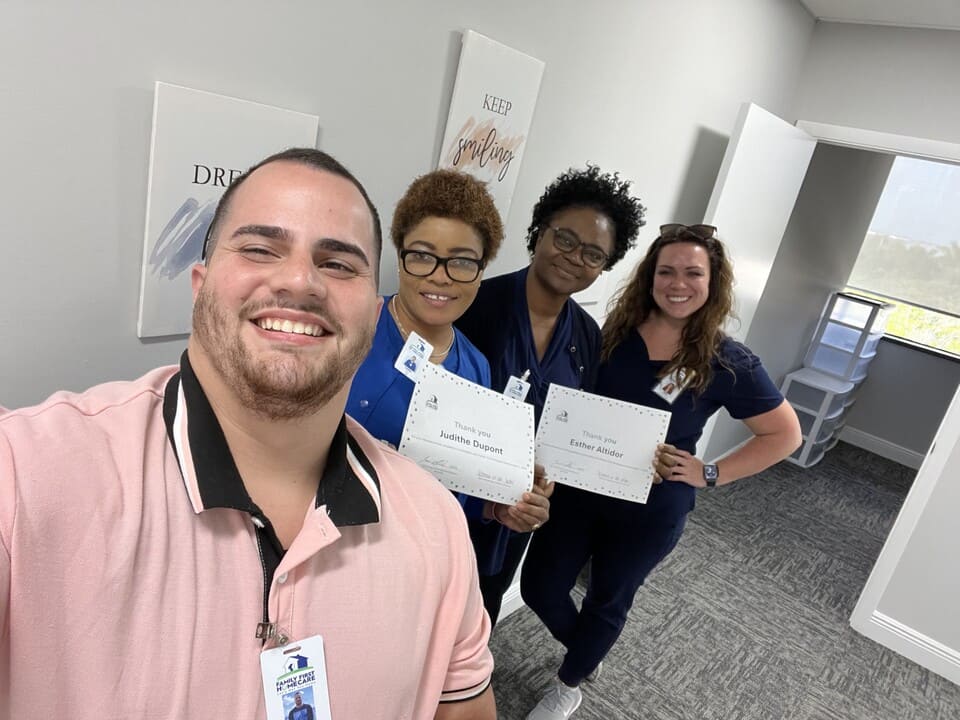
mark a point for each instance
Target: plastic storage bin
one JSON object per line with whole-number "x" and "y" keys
{"x": 817, "y": 392}
{"x": 836, "y": 362}
{"x": 846, "y": 340}
{"x": 810, "y": 453}
{"x": 840, "y": 363}
{"x": 821, "y": 402}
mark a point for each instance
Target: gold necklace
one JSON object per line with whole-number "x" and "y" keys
{"x": 404, "y": 333}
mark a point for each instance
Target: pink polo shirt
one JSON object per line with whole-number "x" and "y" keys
{"x": 132, "y": 584}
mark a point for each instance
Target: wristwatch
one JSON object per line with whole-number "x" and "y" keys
{"x": 711, "y": 473}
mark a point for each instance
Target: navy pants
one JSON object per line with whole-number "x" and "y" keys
{"x": 623, "y": 541}
{"x": 493, "y": 587}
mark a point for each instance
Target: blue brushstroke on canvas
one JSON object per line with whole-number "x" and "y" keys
{"x": 180, "y": 243}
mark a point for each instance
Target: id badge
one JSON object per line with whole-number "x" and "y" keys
{"x": 670, "y": 387}
{"x": 295, "y": 681}
{"x": 416, "y": 351}
{"x": 517, "y": 388}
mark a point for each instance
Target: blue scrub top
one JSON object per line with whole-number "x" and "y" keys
{"x": 380, "y": 394}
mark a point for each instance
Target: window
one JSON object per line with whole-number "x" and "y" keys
{"x": 911, "y": 254}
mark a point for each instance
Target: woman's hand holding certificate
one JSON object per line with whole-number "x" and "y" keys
{"x": 598, "y": 444}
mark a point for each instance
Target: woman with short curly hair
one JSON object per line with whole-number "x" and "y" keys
{"x": 446, "y": 229}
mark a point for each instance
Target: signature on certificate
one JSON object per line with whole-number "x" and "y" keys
{"x": 569, "y": 466}
{"x": 437, "y": 463}
{"x": 490, "y": 478}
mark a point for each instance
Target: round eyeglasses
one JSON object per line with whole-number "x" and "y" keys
{"x": 459, "y": 269}
{"x": 567, "y": 241}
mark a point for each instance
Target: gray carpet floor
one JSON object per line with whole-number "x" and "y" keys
{"x": 748, "y": 619}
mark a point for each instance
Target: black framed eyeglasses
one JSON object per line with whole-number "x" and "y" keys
{"x": 420, "y": 263}
{"x": 678, "y": 230}
{"x": 567, "y": 241}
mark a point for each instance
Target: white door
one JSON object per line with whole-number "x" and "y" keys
{"x": 756, "y": 189}
{"x": 910, "y": 601}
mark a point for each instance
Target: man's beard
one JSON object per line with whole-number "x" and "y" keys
{"x": 281, "y": 387}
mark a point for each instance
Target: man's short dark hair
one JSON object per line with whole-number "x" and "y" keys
{"x": 311, "y": 157}
{"x": 604, "y": 192}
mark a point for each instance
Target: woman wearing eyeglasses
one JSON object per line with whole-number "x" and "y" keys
{"x": 529, "y": 326}
{"x": 664, "y": 347}
{"x": 446, "y": 228}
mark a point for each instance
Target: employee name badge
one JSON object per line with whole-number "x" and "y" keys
{"x": 416, "y": 351}
{"x": 670, "y": 387}
{"x": 517, "y": 387}
{"x": 295, "y": 681}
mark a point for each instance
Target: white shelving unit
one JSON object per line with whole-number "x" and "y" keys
{"x": 835, "y": 364}
{"x": 821, "y": 402}
{"x": 847, "y": 337}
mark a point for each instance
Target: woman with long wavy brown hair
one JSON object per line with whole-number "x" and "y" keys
{"x": 663, "y": 346}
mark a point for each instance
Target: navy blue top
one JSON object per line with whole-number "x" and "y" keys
{"x": 745, "y": 390}
{"x": 498, "y": 323}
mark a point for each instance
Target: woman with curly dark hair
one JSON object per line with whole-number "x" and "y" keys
{"x": 446, "y": 229}
{"x": 663, "y": 347}
{"x": 530, "y": 328}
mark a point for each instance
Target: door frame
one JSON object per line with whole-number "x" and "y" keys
{"x": 881, "y": 142}
{"x": 867, "y": 618}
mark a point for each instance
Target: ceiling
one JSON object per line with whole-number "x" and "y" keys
{"x": 944, "y": 14}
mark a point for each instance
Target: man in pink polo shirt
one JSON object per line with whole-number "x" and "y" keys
{"x": 158, "y": 536}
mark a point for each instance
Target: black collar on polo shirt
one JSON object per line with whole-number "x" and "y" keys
{"x": 350, "y": 498}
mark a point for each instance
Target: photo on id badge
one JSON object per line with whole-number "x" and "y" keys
{"x": 298, "y": 705}
{"x": 670, "y": 387}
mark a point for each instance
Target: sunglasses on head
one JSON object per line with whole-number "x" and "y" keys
{"x": 677, "y": 230}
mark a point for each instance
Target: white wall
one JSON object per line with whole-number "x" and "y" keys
{"x": 923, "y": 590}
{"x": 895, "y": 80}
{"x": 901, "y": 81}
{"x": 646, "y": 87}
{"x": 910, "y": 600}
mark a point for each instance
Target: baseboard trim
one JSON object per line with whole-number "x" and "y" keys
{"x": 914, "y": 645}
{"x": 881, "y": 447}
{"x": 511, "y": 599}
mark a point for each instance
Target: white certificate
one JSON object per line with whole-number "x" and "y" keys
{"x": 476, "y": 441}
{"x": 598, "y": 444}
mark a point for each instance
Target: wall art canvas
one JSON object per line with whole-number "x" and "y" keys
{"x": 201, "y": 142}
{"x": 494, "y": 97}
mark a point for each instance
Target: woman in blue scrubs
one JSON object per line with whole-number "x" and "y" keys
{"x": 665, "y": 329}
{"x": 446, "y": 229}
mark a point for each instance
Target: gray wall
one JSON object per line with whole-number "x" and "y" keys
{"x": 622, "y": 88}
{"x": 905, "y": 396}
{"x": 819, "y": 248}
{"x": 901, "y": 81}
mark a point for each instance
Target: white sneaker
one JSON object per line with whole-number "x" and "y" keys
{"x": 558, "y": 704}
{"x": 592, "y": 677}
